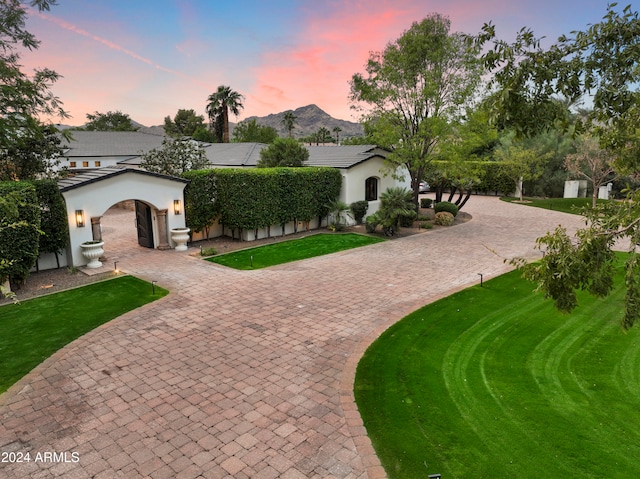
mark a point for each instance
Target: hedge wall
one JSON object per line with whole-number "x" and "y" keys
{"x": 258, "y": 198}
{"x": 19, "y": 242}
{"x": 53, "y": 217}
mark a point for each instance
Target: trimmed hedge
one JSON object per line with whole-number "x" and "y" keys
{"x": 250, "y": 199}
{"x": 359, "y": 210}
{"x": 19, "y": 242}
{"x": 444, "y": 218}
{"x": 446, "y": 206}
{"x": 53, "y": 217}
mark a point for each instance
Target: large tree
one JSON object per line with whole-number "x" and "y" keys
{"x": 223, "y": 101}
{"x": 283, "y": 152}
{"x": 109, "y": 121}
{"x": 592, "y": 163}
{"x": 414, "y": 90}
{"x": 250, "y": 131}
{"x": 26, "y": 143}
{"x": 184, "y": 123}
{"x": 175, "y": 156}
{"x": 602, "y": 62}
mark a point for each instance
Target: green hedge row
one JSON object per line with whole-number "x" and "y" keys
{"x": 258, "y": 198}
{"x": 19, "y": 229}
{"x": 38, "y": 225}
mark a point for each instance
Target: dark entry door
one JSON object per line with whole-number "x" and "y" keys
{"x": 144, "y": 225}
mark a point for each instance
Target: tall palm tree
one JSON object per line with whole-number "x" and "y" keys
{"x": 323, "y": 134}
{"x": 337, "y": 130}
{"x": 288, "y": 121}
{"x": 220, "y": 103}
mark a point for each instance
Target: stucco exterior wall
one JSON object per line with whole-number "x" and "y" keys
{"x": 96, "y": 198}
{"x": 354, "y": 179}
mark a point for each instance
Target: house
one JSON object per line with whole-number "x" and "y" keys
{"x": 88, "y": 150}
{"x": 361, "y": 166}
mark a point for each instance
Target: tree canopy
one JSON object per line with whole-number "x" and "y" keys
{"x": 600, "y": 62}
{"x": 109, "y": 121}
{"x": 26, "y": 143}
{"x": 184, "y": 123}
{"x": 174, "y": 157}
{"x": 250, "y": 131}
{"x": 283, "y": 152}
{"x": 414, "y": 89}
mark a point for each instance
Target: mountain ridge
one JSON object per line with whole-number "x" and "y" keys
{"x": 309, "y": 119}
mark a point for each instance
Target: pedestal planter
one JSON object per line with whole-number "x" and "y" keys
{"x": 93, "y": 251}
{"x": 180, "y": 236}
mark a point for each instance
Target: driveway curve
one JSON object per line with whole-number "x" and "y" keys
{"x": 245, "y": 374}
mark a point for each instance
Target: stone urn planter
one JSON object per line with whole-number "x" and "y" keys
{"x": 180, "y": 236}
{"x": 92, "y": 250}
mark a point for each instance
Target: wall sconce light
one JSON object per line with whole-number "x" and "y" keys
{"x": 80, "y": 218}
{"x": 176, "y": 207}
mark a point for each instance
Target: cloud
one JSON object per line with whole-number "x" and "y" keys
{"x": 329, "y": 49}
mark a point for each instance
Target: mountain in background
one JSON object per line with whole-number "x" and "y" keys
{"x": 309, "y": 119}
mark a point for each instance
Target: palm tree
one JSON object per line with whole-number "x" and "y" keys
{"x": 220, "y": 103}
{"x": 288, "y": 121}
{"x": 395, "y": 203}
{"x": 323, "y": 134}
{"x": 337, "y": 130}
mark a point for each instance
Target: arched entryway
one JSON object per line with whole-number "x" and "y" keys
{"x": 158, "y": 201}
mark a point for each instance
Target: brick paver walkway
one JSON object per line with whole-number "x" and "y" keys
{"x": 245, "y": 374}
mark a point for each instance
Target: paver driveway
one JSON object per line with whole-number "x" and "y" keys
{"x": 245, "y": 374}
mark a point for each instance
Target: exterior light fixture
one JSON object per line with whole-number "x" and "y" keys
{"x": 80, "y": 218}
{"x": 115, "y": 267}
{"x": 176, "y": 207}
{"x": 481, "y": 275}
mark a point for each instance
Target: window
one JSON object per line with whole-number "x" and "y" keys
{"x": 72, "y": 164}
{"x": 85, "y": 164}
{"x": 97, "y": 163}
{"x": 371, "y": 189}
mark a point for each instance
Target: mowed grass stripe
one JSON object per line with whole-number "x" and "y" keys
{"x": 292, "y": 250}
{"x": 493, "y": 382}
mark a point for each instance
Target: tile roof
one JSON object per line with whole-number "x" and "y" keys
{"x": 126, "y": 147}
{"x": 248, "y": 154}
{"x": 99, "y": 174}
{"x": 110, "y": 143}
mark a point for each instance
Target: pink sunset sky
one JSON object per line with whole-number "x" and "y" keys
{"x": 150, "y": 58}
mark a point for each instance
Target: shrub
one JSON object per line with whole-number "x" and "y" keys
{"x": 19, "y": 230}
{"x": 211, "y": 251}
{"x": 425, "y": 202}
{"x": 372, "y": 223}
{"x": 446, "y": 206}
{"x": 407, "y": 221}
{"x": 426, "y": 225}
{"x": 359, "y": 209}
{"x": 444, "y": 218}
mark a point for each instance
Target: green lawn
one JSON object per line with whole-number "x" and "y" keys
{"x": 566, "y": 205}
{"x": 33, "y": 330}
{"x": 492, "y": 382}
{"x": 293, "y": 250}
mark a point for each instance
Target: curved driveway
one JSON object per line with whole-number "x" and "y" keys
{"x": 246, "y": 374}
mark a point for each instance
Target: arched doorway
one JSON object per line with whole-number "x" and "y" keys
{"x": 158, "y": 201}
